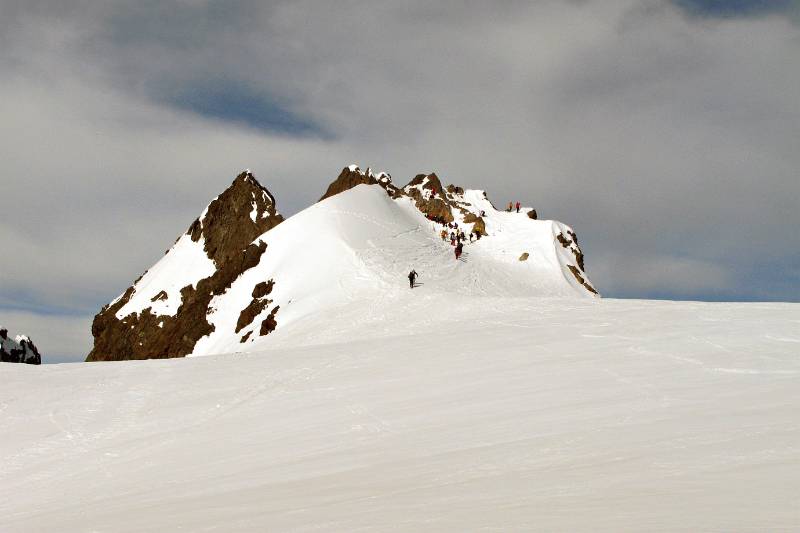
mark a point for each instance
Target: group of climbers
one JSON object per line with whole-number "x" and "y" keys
{"x": 457, "y": 237}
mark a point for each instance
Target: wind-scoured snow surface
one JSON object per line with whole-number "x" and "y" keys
{"x": 346, "y": 259}
{"x": 464, "y": 413}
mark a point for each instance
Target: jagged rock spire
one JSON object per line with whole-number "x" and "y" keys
{"x": 228, "y": 230}
{"x": 234, "y": 218}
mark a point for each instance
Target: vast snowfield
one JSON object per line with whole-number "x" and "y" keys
{"x": 448, "y": 411}
{"x": 497, "y": 395}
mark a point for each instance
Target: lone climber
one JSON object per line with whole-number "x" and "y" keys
{"x": 412, "y": 277}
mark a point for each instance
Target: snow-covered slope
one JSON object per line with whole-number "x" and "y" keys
{"x": 159, "y": 289}
{"x": 359, "y": 245}
{"x": 469, "y": 414}
{"x": 241, "y": 278}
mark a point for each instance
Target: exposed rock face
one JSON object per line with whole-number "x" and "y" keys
{"x": 18, "y": 350}
{"x": 478, "y": 224}
{"x": 581, "y": 280}
{"x": 235, "y": 218}
{"x": 532, "y": 214}
{"x": 571, "y": 241}
{"x": 352, "y": 176}
{"x": 228, "y": 229}
{"x": 269, "y": 324}
{"x": 254, "y": 308}
{"x": 428, "y": 194}
{"x": 159, "y": 297}
{"x": 524, "y": 256}
{"x": 262, "y": 289}
{"x": 455, "y": 190}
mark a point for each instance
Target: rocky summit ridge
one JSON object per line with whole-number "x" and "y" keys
{"x": 352, "y": 175}
{"x": 229, "y": 279}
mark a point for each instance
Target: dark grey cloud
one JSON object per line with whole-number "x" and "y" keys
{"x": 668, "y": 140}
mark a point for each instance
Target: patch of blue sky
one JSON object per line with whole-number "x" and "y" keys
{"x": 735, "y": 8}
{"x": 765, "y": 282}
{"x": 30, "y": 302}
{"x": 243, "y": 106}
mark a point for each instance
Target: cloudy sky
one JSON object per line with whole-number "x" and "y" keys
{"x": 666, "y": 132}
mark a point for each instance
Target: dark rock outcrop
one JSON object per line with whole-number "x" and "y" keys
{"x": 573, "y": 236}
{"x": 256, "y": 305}
{"x": 571, "y": 241}
{"x": 19, "y": 350}
{"x": 579, "y": 258}
{"x": 229, "y": 227}
{"x": 580, "y": 278}
{"x": 159, "y": 297}
{"x": 352, "y": 176}
{"x": 263, "y": 289}
{"x": 269, "y": 324}
{"x": 235, "y": 218}
{"x": 532, "y": 214}
{"x": 478, "y": 224}
{"x": 428, "y": 194}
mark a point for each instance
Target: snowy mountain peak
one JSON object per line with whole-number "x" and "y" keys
{"x": 163, "y": 313}
{"x": 234, "y": 218}
{"x": 241, "y": 278}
